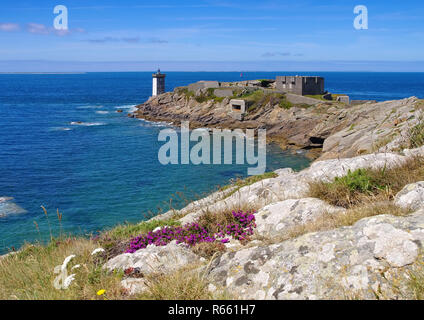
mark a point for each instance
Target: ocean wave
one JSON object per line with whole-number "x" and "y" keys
{"x": 156, "y": 123}
{"x": 129, "y": 107}
{"x": 87, "y": 124}
{"x": 8, "y": 207}
{"x": 61, "y": 129}
{"x": 102, "y": 112}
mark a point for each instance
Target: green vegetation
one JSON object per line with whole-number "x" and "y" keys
{"x": 259, "y": 98}
{"x": 364, "y": 186}
{"x": 240, "y": 183}
{"x": 416, "y": 136}
{"x": 126, "y": 231}
{"x": 285, "y": 104}
{"x": 209, "y": 95}
{"x": 29, "y": 273}
{"x": 188, "y": 94}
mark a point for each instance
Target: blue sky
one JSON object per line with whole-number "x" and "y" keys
{"x": 212, "y": 35}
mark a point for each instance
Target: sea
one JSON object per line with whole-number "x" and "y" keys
{"x": 64, "y": 146}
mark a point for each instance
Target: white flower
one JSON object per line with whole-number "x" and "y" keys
{"x": 95, "y": 251}
{"x": 64, "y": 264}
{"x": 67, "y": 282}
{"x": 62, "y": 281}
{"x": 75, "y": 267}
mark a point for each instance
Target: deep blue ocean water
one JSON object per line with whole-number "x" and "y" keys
{"x": 107, "y": 172}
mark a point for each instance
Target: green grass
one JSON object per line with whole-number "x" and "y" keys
{"x": 115, "y": 241}
{"x": 29, "y": 273}
{"x": 416, "y": 136}
{"x": 126, "y": 231}
{"x": 285, "y": 104}
{"x": 240, "y": 183}
{"x": 259, "y": 98}
{"x": 364, "y": 186}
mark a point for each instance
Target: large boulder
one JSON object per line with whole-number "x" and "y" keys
{"x": 327, "y": 170}
{"x": 411, "y": 196}
{"x": 277, "y": 218}
{"x": 357, "y": 261}
{"x": 154, "y": 259}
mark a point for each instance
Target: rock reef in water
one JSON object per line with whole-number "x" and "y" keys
{"x": 8, "y": 207}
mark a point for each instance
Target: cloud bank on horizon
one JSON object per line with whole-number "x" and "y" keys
{"x": 212, "y": 36}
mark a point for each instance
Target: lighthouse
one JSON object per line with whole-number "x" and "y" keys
{"x": 158, "y": 83}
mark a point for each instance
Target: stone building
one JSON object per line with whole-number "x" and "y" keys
{"x": 300, "y": 85}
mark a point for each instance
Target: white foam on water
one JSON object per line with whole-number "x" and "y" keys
{"x": 61, "y": 129}
{"x": 130, "y": 107}
{"x": 156, "y": 123}
{"x": 87, "y": 124}
{"x": 102, "y": 112}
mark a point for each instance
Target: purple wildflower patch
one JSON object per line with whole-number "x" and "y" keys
{"x": 193, "y": 233}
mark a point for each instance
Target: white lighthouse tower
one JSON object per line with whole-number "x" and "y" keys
{"x": 158, "y": 83}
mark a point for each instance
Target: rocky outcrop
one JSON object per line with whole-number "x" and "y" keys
{"x": 154, "y": 259}
{"x": 277, "y": 218}
{"x": 411, "y": 196}
{"x": 338, "y": 130}
{"x": 287, "y": 185}
{"x": 360, "y": 260}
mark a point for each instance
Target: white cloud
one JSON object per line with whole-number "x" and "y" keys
{"x": 36, "y": 28}
{"x": 9, "y": 27}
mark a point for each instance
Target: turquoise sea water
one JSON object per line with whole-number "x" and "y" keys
{"x": 106, "y": 171}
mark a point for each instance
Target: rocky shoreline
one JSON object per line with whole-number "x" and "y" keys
{"x": 324, "y": 129}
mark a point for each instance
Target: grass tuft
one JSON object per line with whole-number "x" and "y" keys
{"x": 368, "y": 185}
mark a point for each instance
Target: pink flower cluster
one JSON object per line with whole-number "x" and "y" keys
{"x": 193, "y": 233}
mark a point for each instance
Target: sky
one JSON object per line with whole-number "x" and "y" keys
{"x": 203, "y": 35}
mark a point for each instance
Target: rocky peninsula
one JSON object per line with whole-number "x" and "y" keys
{"x": 325, "y": 129}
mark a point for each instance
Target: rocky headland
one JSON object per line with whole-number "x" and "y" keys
{"x": 325, "y": 129}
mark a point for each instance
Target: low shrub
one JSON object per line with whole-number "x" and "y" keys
{"x": 285, "y": 104}
{"x": 416, "y": 136}
{"x": 368, "y": 185}
{"x": 198, "y": 232}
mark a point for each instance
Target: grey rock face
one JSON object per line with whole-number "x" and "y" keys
{"x": 135, "y": 285}
{"x": 275, "y": 219}
{"x": 324, "y": 265}
{"x": 411, "y": 196}
{"x": 154, "y": 259}
{"x": 327, "y": 170}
